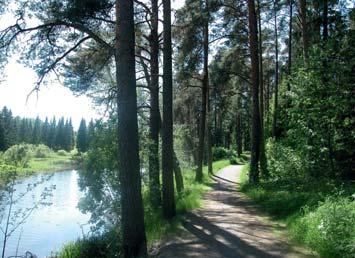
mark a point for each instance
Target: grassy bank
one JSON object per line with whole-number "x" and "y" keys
{"x": 318, "y": 213}
{"x": 27, "y": 159}
{"x": 52, "y": 163}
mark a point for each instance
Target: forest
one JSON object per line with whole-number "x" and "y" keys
{"x": 227, "y": 131}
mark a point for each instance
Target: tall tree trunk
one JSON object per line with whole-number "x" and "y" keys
{"x": 325, "y": 20}
{"x": 167, "y": 127}
{"x": 202, "y": 129}
{"x": 239, "y": 132}
{"x": 289, "y": 62}
{"x": 132, "y": 216}
{"x": 263, "y": 162}
{"x": 255, "y": 129}
{"x": 209, "y": 140}
{"x": 153, "y": 169}
{"x": 206, "y": 82}
{"x": 303, "y": 16}
{"x": 179, "y": 180}
{"x": 276, "y": 96}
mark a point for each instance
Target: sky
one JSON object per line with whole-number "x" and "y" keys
{"x": 53, "y": 99}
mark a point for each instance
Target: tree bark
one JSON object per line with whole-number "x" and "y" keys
{"x": 239, "y": 133}
{"x": 132, "y": 216}
{"x": 167, "y": 126}
{"x": 276, "y": 96}
{"x": 202, "y": 129}
{"x": 255, "y": 130}
{"x": 179, "y": 180}
{"x": 206, "y": 74}
{"x": 303, "y": 16}
{"x": 325, "y": 20}
{"x": 153, "y": 169}
{"x": 263, "y": 162}
{"x": 289, "y": 63}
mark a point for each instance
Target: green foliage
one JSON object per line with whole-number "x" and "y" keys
{"x": 318, "y": 213}
{"x": 42, "y": 151}
{"x": 329, "y": 229}
{"x": 319, "y": 122}
{"x": 101, "y": 246}
{"x": 219, "y": 153}
{"x": 17, "y": 155}
{"x": 62, "y": 153}
{"x": 82, "y": 137}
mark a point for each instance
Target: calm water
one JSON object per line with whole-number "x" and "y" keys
{"x": 48, "y": 227}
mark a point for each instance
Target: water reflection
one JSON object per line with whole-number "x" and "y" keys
{"x": 49, "y": 227}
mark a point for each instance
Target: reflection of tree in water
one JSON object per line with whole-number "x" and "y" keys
{"x": 12, "y": 217}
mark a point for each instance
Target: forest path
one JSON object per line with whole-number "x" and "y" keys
{"x": 228, "y": 225}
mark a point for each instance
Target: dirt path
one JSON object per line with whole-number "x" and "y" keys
{"x": 228, "y": 225}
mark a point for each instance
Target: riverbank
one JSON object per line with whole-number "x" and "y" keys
{"x": 28, "y": 159}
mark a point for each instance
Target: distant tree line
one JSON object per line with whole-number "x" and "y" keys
{"x": 56, "y": 135}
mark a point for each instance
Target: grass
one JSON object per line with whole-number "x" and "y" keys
{"x": 52, "y": 163}
{"x": 157, "y": 227}
{"x": 317, "y": 213}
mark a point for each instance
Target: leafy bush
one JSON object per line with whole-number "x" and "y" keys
{"x": 41, "y": 151}
{"x": 62, "y": 153}
{"x": 219, "y": 153}
{"x": 17, "y": 155}
{"x": 330, "y": 228}
{"x": 103, "y": 246}
{"x": 284, "y": 162}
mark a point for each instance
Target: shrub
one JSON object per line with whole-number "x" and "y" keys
{"x": 329, "y": 229}
{"x": 62, "y": 153}
{"x": 102, "y": 246}
{"x": 41, "y": 151}
{"x": 17, "y": 155}
{"x": 219, "y": 153}
{"x": 284, "y": 162}
{"x": 233, "y": 160}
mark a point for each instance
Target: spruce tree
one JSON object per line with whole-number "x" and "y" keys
{"x": 81, "y": 139}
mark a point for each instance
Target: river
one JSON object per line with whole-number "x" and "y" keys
{"x": 47, "y": 228}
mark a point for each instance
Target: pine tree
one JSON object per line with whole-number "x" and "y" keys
{"x": 132, "y": 216}
{"x": 36, "y": 136}
{"x": 45, "y": 131}
{"x": 91, "y": 132}
{"x": 81, "y": 139}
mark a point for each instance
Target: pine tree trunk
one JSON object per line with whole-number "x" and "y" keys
{"x": 289, "y": 62}
{"x": 202, "y": 128}
{"x": 167, "y": 126}
{"x": 153, "y": 169}
{"x": 238, "y": 129}
{"x": 303, "y": 16}
{"x": 276, "y": 96}
{"x": 263, "y": 162}
{"x": 206, "y": 82}
{"x": 132, "y": 217}
{"x": 255, "y": 130}
{"x": 325, "y": 20}
{"x": 179, "y": 180}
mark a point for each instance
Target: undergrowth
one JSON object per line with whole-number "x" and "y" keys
{"x": 318, "y": 213}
